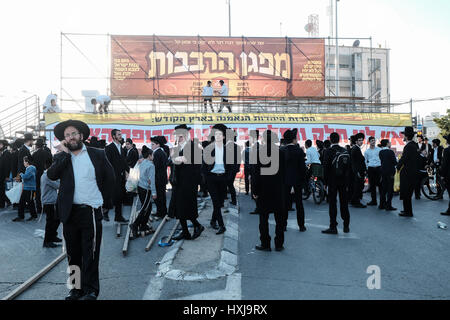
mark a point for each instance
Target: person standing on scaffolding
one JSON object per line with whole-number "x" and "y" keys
{"x": 103, "y": 102}
{"x": 224, "y": 94}
{"x": 207, "y": 95}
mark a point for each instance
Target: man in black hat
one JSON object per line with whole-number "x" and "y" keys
{"x": 435, "y": 157}
{"x": 388, "y": 163}
{"x": 86, "y": 182}
{"x": 445, "y": 171}
{"x": 5, "y": 170}
{"x": 359, "y": 171}
{"x": 408, "y": 166}
{"x": 132, "y": 153}
{"x": 24, "y": 151}
{"x": 40, "y": 157}
{"x": 294, "y": 176}
{"x": 117, "y": 157}
{"x": 160, "y": 160}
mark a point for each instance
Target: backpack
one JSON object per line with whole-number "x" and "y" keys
{"x": 341, "y": 163}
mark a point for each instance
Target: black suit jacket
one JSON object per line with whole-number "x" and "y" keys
{"x": 40, "y": 156}
{"x": 439, "y": 155}
{"x": 388, "y": 162}
{"x": 329, "y": 171}
{"x": 5, "y": 165}
{"x": 358, "y": 161}
{"x": 230, "y": 165}
{"x": 23, "y": 152}
{"x": 62, "y": 169}
{"x": 118, "y": 161}
{"x": 160, "y": 161}
{"x": 408, "y": 164}
{"x": 294, "y": 163}
{"x": 132, "y": 157}
{"x": 445, "y": 167}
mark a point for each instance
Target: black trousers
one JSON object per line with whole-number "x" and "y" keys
{"x": 374, "y": 174}
{"x": 51, "y": 222}
{"x": 447, "y": 182}
{"x": 264, "y": 235}
{"x": 205, "y": 101}
{"x": 217, "y": 187}
{"x": 184, "y": 226}
{"x": 161, "y": 206}
{"x": 247, "y": 179}
{"x": 83, "y": 235}
{"x": 203, "y": 187}
{"x": 298, "y": 204}
{"x": 420, "y": 177}
{"x": 230, "y": 187}
{"x": 407, "y": 203}
{"x": 357, "y": 192}
{"x": 387, "y": 190}
{"x": 333, "y": 191}
{"x": 38, "y": 194}
{"x": 145, "y": 196}
{"x": 26, "y": 200}
{"x": 3, "y": 197}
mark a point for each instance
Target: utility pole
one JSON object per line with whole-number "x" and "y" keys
{"x": 337, "y": 53}
{"x": 229, "y": 18}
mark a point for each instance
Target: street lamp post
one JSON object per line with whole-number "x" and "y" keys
{"x": 337, "y": 54}
{"x": 229, "y": 18}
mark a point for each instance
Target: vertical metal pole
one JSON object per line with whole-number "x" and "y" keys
{"x": 60, "y": 72}
{"x": 337, "y": 53}
{"x": 371, "y": 69}
{"x": 411, "y": 107}
{"x": 229, "y": 18}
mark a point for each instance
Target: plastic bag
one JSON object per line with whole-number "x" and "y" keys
{"x": 133, "y": 179}
{"x": 14, "y": 193}
{"x": 397, "y": 182}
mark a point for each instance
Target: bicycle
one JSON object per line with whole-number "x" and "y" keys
{"x": 433, "y": 186}
{"x": 315, "y": 185}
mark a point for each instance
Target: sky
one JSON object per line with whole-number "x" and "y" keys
{"x": 416, "y": 31}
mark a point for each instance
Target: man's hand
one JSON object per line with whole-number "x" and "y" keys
{"x": 62, "y": 147}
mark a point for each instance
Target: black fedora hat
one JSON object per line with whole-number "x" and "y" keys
{"x": 446, "y": 137}
{"x": 182, "y": 126}
{"x": 220, "y": 127}
{"x": 161, "y": 140}
{"x": 290, "y": 135}
{"x": 5, "y": 143}
{"x": 80, "y": 125}
{"x": 408, "y": 131}
{"x": 28, "y": 136}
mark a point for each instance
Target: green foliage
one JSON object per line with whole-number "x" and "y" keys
{"x": 443, "y": 123}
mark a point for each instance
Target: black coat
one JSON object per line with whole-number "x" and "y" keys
{"x": 408, "y": 164}
{"x": 132, "y": 157}
{"x": 439, "y": 155}
{"x": 328, "y": 170}
{"x": 14, "y": 161}
{"x": 40, "y": 157}
{"x": 62, "y": 169}
{"x": 187, "y": 177}
{"x": 294, "y": 164}
{"x": 23, "y": 152}
{"x": 5, "y": 165}
{"x": 358, "y": 161}
{"x": 388, "y": 162}
{"x": 160, "y": 160}
{"x": 230, "y": 165}
{"x": 118, "y": 161}
{"x": 445, "y": 167}
{"x": 270, "y": 189}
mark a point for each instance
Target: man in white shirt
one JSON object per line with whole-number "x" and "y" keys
{"x": 373, "y": 163}
{"x": 312, "y": 155}
{"x": 207, "y": 95}
{"x": 86, "y": 181}
{"x": 224, "y": 94}
{"x": 103, "y": 102}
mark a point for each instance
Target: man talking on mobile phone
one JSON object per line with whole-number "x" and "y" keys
{"x": 86, "y": 177}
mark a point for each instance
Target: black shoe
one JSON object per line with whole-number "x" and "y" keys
{"x": 182, "y": 235}
{"x": 404, "y": 214}
{"x": 32, "y": 218}
{"x": 279, "y": 248}
{"x": 221, "y": 230}
{"x": 198, "y": 231}
{"x": 445, "y": 213}
{"x": 134, "y": 231}
{"x": 302, "y": 229}
{"x": 214, "y": 225}
{"x": 89, "y": 296}
{"x": 291, "y": 209}
{"x": 18, "y": 219}
{"x": 285, "y": 229}
{"x": 74, "y": 294}
{"x": 234, "y": 203}
{"x": 105, "y": 217}
{"x": 49, "y": 245}
{"x": 380, "y": 207}
{"x": 246, "y": 193}
{"x": 57, "y": 240}
{"x": 346, "y": 229}
{"x": 263, "y": 248}
{"x": 359, "y": 205}
{"x": 391, "y": 209}
{"x": 121, "y": 220}
{"x": 253, "y": 212}
{"x": 330, "y": 231}
{"x": 372, "y": 203}
{"x": 417, "y": 198}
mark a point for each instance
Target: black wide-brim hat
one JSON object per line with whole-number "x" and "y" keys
{"x": 290, "y": 135}
{"x": 28, "y": 137}
{"x": 182, "y": 126}
{"x": 408, "y": 131}
{"x": 161, "y": 140}
{"x": 80, "y": 125}
{"x": 220, "y": 127}
{"x": 5, "y": 143}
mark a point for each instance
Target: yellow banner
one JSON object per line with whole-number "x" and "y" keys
{"x": 152, "y": 119}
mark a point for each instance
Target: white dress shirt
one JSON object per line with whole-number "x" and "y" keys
{"x": 208, "y": 91}
{"x": 312, "y": 156}
{"x": 218, "y": 160}
{"x": 372, "y": 157}
{"x": 435, "y": 155}
{"x": 86, "y": 189}
{"x": 119, "y": 147}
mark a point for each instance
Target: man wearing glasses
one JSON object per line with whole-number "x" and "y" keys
{"x": 86, "y": 181}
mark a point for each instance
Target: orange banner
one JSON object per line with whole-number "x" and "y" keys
{"x": 169, "y": 65}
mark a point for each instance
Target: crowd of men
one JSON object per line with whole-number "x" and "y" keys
{"x": 86, "y": 178}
